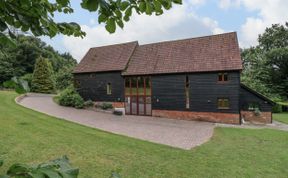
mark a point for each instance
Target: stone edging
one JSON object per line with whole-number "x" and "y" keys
{"x": 19, "y": 98}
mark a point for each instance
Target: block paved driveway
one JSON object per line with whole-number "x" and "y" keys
{"x": 176, "y": 133}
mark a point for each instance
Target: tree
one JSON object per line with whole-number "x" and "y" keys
{"x": 38, "y": 16}
{"x": 20, "y": 59}
{"x": 266, "y": 65}
{"x": 42, "y": 77}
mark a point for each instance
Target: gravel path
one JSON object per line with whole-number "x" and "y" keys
{"x": 176, "y": 133}
{"x": 275, "y": 125}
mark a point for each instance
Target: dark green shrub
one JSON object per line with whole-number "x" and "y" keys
{"x": 27, "y": 77}
{"x": 70, "y": 97}
{"x": 19, "y": 89}
{"x": 10, "y": 84}
{"x": 106, "y": 106}
{"x": 277, "y": 108}
{"x": 88, "y": 103}
{"x": 56, "y": 168}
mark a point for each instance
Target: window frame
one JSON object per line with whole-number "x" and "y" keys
{"x": 222, "y": 76}
{"x": 109, "y": 88}
{"x": 187, "y": 92}
{"x": 223, "y": 103}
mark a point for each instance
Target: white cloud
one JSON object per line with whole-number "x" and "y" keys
{"x": 196, "y": 2}
{"x": 177, "y": 23}
{"x": 225, "y": 4}
{"x": 268, "y": 12}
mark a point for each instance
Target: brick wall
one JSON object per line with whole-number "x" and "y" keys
{"x": 264, "y": 117}
{"x": 118, "y": 104}
{"x": 228, "y": 118}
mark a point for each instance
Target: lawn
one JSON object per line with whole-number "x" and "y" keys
{"x": 31, "y": 137}
{"x": 281, "y": 117}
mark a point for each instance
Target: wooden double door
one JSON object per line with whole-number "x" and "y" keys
{"x": 138, "y": 95}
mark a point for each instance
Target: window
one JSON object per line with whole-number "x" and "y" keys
{"x": 109, "y": 89}
{"x": 222, "y": 77}
{"x": 253, "y": 106}
{"x": 223, "y": 103}
{"x": 187, "y": 87}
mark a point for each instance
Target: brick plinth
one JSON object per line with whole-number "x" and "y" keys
{"x": 228, "y": 118}
{"x": 250, "y": 116}
{"x": 118, "y": 105}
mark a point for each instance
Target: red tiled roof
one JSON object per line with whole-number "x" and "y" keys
{"x": 106, "y": 58}
{"x": 210, "y": 53}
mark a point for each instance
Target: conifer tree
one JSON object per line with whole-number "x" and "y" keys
{"x": 42, "y": 81}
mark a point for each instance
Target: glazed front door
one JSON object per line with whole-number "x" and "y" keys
{"x": 138, "y": 95}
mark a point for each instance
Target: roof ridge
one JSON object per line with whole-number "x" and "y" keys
{"x": 114, "y": 44}
{"x": 186, "y": 39}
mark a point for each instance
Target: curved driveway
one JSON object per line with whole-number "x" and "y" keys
{"x": 176, "y": 133}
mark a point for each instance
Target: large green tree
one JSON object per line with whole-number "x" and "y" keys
{"x": 42, "y": 81}
{"x": 37, "y": 16}
{"x": 266, "y": 65}
{"x": 20, "y": 59}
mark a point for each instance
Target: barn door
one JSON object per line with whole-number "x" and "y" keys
{"x": 138, "y": 95}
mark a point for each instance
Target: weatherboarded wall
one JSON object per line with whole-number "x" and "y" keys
{"x": 169, "y": 92}
{"x": 94, "y": 86}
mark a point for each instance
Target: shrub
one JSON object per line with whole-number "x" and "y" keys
{"x": 42, "y": 81}
{"x": 60, "y": 167}
{"x": 70, "y": 97}
{"x": 63, "y": 78}
{"x": 88, "y": 103}
{"x": 10, "y": 84}
{"x": 27, "y": 77}
{"x": 106, "y": 106}
{"x": 277, "y": 108}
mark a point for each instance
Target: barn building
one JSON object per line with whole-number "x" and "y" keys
{"x": 191, "y": 79}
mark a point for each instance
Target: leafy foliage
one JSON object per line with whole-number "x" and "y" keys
{"x": 266, "y": 65}
{"x": 277, "y": 108}
{"x": 10, "y": 84}
{"x": 42, "y": 77}
{"x": 63, "y": 78}
{"x": 38, "y": 16}
{"x": 88, "y": 103}
{"x": 20, "y": 60}
{"x": 106, "y": 106}
{"x": 70, "y": 97}
{"x": 58, "y": 168}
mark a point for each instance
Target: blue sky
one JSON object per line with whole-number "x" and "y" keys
{"x": 194, "y": 18}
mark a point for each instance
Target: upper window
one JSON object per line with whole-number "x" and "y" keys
{"x": 223, "y": 103}
{"x": 222, "y": 77}
{"x": 109, "y": 89}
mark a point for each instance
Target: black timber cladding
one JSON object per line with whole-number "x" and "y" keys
{"x": 93, "y": 86}
{"x": 247, "y": 96}
{"x": 168, "y": 92}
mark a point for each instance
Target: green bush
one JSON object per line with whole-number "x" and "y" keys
{"x": 70, "y": 97}
{"x": 60, "y": 167}
{"x": 277, "y": 108}
{"x": 10, "y": 84}
{"x": 27, "y": 77}
{"x": 106, "y": 106}
{"x": 88, "y": 103}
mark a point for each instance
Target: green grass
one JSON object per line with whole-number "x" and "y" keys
{"x": 281, "y": 117}
{"x": 27, "y": 136}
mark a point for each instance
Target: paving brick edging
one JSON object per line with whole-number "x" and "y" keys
{"x": 19, "y": 98}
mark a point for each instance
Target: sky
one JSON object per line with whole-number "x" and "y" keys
{"x": 193, "y": 18}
